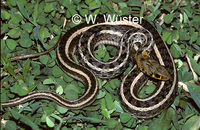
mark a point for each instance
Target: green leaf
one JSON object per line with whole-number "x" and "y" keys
{"x": 4, "y": 97}
{"x": 27, "y": 27}
{"x": 36, "y": 11}
{"x": 196, "y": 125}
{"x": 11, "y": 125}
{"x": 26, "y": 69}
{"x": 48, "y": 8}
{"x": 62, "y": 110}
{"x": 84, "y": 12}
{"x": 49, "y": 110}
{"x": 176, "y": 51}
{"x": 24, "y": 12}
{"x": 195, "y": 66}
{"x": 195, "y": 95}
{"x": 44, "y": 32}
{"x": 5, "y": 15}
{"x": 15, "y": 32}
{"x": 25, "y": 42}
{"x": 168, "y": 18}
{"x": 196, "y": 18}
{"x": 57, "y": 72}
{"x": 49, "y": 122}
{"x": 109, "y": 101}
{"x": 59, "y": 90}
{"x": 16, "y": 18}
{"x": 71, "y": 87}
{"x": 190, "y": 122}
{"x": 66, "y": 3}
{"x": 23, "y": 90}
{"x": 11, "y": 44}
{"x": 101, "y": 94}
{"x": 194, "y": 36}
{"x": 105, "y": 113}
{"x": 194, "y": 86}
{"x": 125, "y": 117}
{"x": 101, "y": 53}
{"x": 67, "y": 78}
{"x": 103, "y": 104}
{"x": 118, "y": 106}
{"x": 134, "y": 3}
{"x": 43, "y": 118}
{"x": 111, "y": 123}
{"x": 94, "y": 5}
{"x": 44, "y": 59}
{"x": 25, "y": 120}
{"x": 71, "y": 94}
{"x": 48, "y": 81}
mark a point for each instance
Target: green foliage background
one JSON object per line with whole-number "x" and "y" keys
{"x": 31, "y": 26}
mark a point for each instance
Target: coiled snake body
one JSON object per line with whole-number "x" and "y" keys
{"x": 140, "y": 45}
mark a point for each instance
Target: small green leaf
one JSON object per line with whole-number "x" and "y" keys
{"x": 26, "y": 69}
{"x": 11, "y": 125}
{"x": 194, "y": 86}
{"x": 5, "y": 15}
{"x": 103, "y": 104}
{"x": 4, "y": 97}
{"x": 49, "y": 122}
{"x": 25, "y": 42}
{"x": 49, "y": 110}
{"x": 71, "y": 87}
{"x": 195, "y": 65}
{"x": 176, "y": 51}
{"x": 44, "y": 59}
{"x": 67, "y": 78}
{"x": 118, "y": 106}
{"x": 62, "y": 110}
{"x": 57, "y": 72}
{"x": 23, "y": 90}
{"x": 27, "y": 27}
{"x": 125, "y": 117}
{"x": 84, "y": 12}
{"x": 16, "y": 18}
{"x": 25, "y": 120}
{"x": 71, "y": 94}
{"x": 48, "y": 81}
{"x": 111, "y": 123}
{"x": 44, "y": 32}
{"x": 66, "y": 3}
{"x": 195, "y": 95}
{"x": 101, "y": 94}
{"x": 105, "y": 113}
{"x": 168, "y": 18}
{"x": 35, "y": 12}
{"x": 24, "y": 11}
{"x": 189, "y": 123}
{"x": 11, "y": 44}
{"x": 101, "y": 53}
{"x": 43, "y": 118}
{"x": 59, "y": 90}
{"x": 109, "y": 101}
{"x": 194, "y": 36}
{"x": 48, "y": 8}
{"x": 15, "y": 32}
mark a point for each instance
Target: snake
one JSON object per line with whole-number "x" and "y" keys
{"x": 138, "y": 44}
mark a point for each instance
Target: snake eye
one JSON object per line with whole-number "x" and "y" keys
{"x": 157, "y": 76}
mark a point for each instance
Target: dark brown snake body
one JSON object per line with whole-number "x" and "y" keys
{"x": 83, "y": 39}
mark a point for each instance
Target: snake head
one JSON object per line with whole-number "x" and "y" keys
{"x": 151, "y": 67}
{"x": 160, "y": 73}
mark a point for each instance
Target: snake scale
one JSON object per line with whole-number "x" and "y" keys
{"x": 139, "y": 44}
